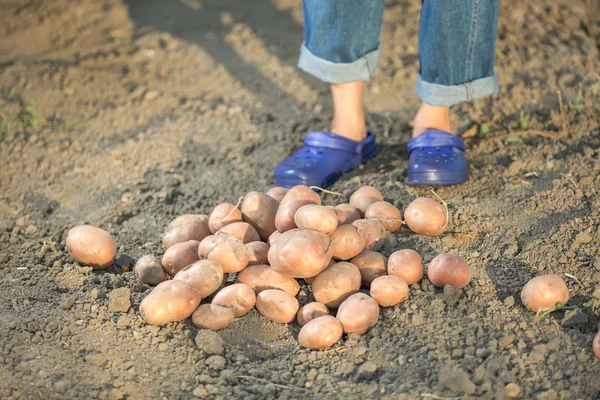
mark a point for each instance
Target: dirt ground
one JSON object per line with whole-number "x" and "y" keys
{"x": 126, "y": 113}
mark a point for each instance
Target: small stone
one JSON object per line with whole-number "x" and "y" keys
{"x": 97, "y": 359}
{"x": 548, "y": 395}
{"x": 367, "y": 370}
{"x": 21, "y": 221}
{"x": 31, "y": 229}
{"x": 451, "y": 294}
{"x": 216, "y": 363}
{"x": 455, "y": 380}
{"x": 118, "y": 300}
{"x": 200, "y": 392}
{"x": 583, "y": 237}
{"x": 505, "y": 341}
{"x": 123, "y": 322}
{"x": 512, "y": 390}
{"x": 483, "y": 353}
{"x": 67, "y": 302}
{"x": 62, "y": 386}
{"x": 163, "y": 347}
{"x": 509, "y": 301}
{"x": 210, "y": 342}
{"x": 574, "y": 318}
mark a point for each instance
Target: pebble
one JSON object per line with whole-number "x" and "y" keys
{"x": 163, "y": 347}
{"x": 548, "y": 395}
{"x": 367, "y": 370}
{"x": 512, "y": 390}
{"x": 123, "y": 321}
{"x": 216, "y": 363}
{"x": 456, "y": 380}
{"x": 67, "y": 302}
{"x": 210, "y": 342}
{"x": 483, "y": 352}
{"x": 509, "y": 301}
{"x": 97, "y": 359}
{"x": 200, "y": 392}
{"x": 451, "y": 294}
{"x": 118, "y": 300}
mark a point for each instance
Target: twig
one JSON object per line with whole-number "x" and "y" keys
{"x": 268, "y": 382}
{"x": 570, "y": 178}
{"x": 339, "y": 350}
{"x": 435, "y": 396}
{"x": 325, "y": 191}
{"x": 445, "y": 207}
{"x": 50, "y": 242}
{"x": 573, "y": 277}
{"x": 234, "y": 208}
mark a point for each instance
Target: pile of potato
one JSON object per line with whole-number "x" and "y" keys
{"x": 275, "y": 238}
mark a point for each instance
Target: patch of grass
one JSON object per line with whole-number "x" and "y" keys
{"x": 31, "y": 117}
{"x": 484, "y": 129}
{"x": 65, "y": 126}
{"x": 11, "y": 95}
{"x": 3, "y": 125}
{"x": 523, "y": 121}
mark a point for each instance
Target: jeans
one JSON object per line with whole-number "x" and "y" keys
{"x": 457, "y": 41}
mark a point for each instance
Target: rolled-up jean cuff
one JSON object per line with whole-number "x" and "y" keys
{"x": 442, "y": 95}
{"x": 360, "y": 70}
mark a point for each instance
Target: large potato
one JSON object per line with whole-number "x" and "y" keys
{"x": 277, "y": 193}
{"x": 273, "y": 237}
{"x": 347, "y": 214}
{"x": 179, "y": 256}
{"x": 242, "y": 231}
{"x": 371, "y": 265}
{"x": 263, "y": 277}
{"x": 544, "y": 292}
{"x": 169, "y": 301}
{"x": 406, "y": 264}
{"x": 295, "y": 198}
{"x": 317, "y": 218}
{"x": 226, "y": 250}
{"x": 426, "y": 217}
{"x": 223, "y": 214}
{"x": 204, "y": 275}
{"x": 259, "y": 210}
{"x": 239, "y": 297}
{"x": 277, "y": 305}
{"x": 320, "y": 333}
{"x": 386, "y": 213}
{"x": 389, "y": 290}
{"x": 311, "y": 311}
{"x": 91, "y": 246}
{"x": 213, "y": 317}
{"x": 338, "y": 281}
{"x": 373, "y": 232}
{"x": 300, "y": 254}
{"x": 358, "y": 313}
{"x": 346, "y": 242}
{"x": 364, "y": 197}
{"x": 149, "y": 270}
{"x": 257, "y": 252}
{"x": 448, "y": 269}
{"x": 186, "y": 227}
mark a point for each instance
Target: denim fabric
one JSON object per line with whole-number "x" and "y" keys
{"x": 457, "y": 41}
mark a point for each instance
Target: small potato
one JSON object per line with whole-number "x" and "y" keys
{"x": 426, "y": 217}
{"x": 213, "y": 317}
{"x": 596, "y": 345}
{"x": 544, "y": 292}
{"x": 277, "y": 193}
{"x": 242, "y": 231}
{"x": 149, "y": 270}
{"x": 273, "y": 237}
{"x": 259, "y": 210}
{"x": 311, "y": 311}
{"x": 347, "y": 214}
{"x": 295, "y": 198}
{"x": 300, "y": 254}
{"x": 371, "y": 265}
{"x": 240, "y": 298}
{"x": 406, "y": 264}
{"x": 320, "y": 333}
{"x": 373, "y": 232}
{"x": 448, "y": 269}
{"x": 386, "y": 213}
{"x": 223, "y": 214}
{"x": 346, "y": 242}
{"x": 338, "y": 281}
{"x": 204, "y": 275}
{"x": 186, "y": 227}
{"x": 358, "y": 313}
{"x": 169, "y": 301}
{"x": 263, "y": 277}
{"x": 257, "y": 253}
{"x": 389, "y": 290}
{"x": 277, "y": 305}
{"x": 364, "y": 197}
{"x": 317, "y": 218}
{"x": 91, "y": 246}
{"x": 179, "y": 256}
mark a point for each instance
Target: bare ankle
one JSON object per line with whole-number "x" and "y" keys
{"x": 348, "y": 115}
{"x": 431, "y": 117}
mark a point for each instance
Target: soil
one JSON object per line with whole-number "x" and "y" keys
{"x": 126, "y": 113}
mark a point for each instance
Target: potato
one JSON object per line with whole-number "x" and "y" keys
{"x": 179, "y": 256}
{"x": 346, "y": 242}
{"x": 213, "y": 317}
{"x": 371, "y": 265}
{"x": 257, "y": 253}
{"x": 346, "y": 213}
{"x": 239, "y": 297}
{"x": 91, "y": 246}
{"x": 311, "y": 278}
{"x": 186, "y": 227}
{"x": 262, "y": 277}
{"x": 226, "y": 250}
{"x": 259, "y": 210}
{"x": 317, "y": 218}
{"x": 273, "y": 237}
{"x": 277, "y": 193}
{"x": 373, "y": 232}
{"x": 406, "y": 264}
{"x": 364, "y": 197}
{"x": 389, "y": 290}
{"x": 300, "y": 254}
{"x": 358, "y": 313}
{"x": 596, "y": 345}
{"x": 277, "y": 305}
{"x": 320, "y": 333}
{"x": 169, "y": 301}
{"x": 544, "y": 292}
{"x": 338, "y": 281}
{"x": 295, "y": 198}
{"x": 204, "y": 275}
{"x": 223, "y": 214}
{"x": 149, "y": 270}
{"x": 242, "y": 231}
{"x": 448, "y": 269}
{"x": 311, "y": 311}
{"x": 426, "y": 217}
{"x": 386, "y": 213}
